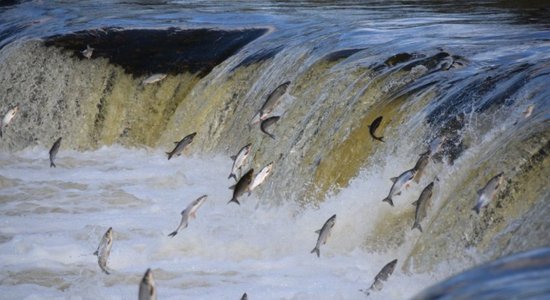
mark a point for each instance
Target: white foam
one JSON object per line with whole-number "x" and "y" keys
{"x": 54, "y": 220}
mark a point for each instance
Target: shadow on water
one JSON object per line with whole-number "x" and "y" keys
{"x": 171, "y": 51}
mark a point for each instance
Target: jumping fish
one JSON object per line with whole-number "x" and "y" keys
{"x": 87, "y": 52}
{"x": 528, "y": 111}
{"x": 8, "y": 117}
{"x": 383, "y": 275}
{"x": 181, "y": 145}
{"x": 488, "y": 192}
{"x": 189, "y": 211}
{"x": 243, "y": 185}
{"x": 372, "y": 128}
{"x": 104, "y": 249}
{"x": 261, "y": 176}
{"x": 324, "y": 234}
{"x": 398, "y": 183}
{"x": 238, "y": 160}
{"x": 422, "y": 205}
{"x": 244, "y": 297}
{"x": 153, "y": 78}
{"x": 267, "y": 123}
{"x": 53, "y": 152}
{"x": 147, "y": 290}
{"x": 421, "y": 165}
{"x": 273, "y": 100}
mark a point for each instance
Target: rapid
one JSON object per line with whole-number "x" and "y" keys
{"x": 459, "y": 79}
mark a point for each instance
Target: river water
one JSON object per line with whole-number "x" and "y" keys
{"x": 460, "y": 74}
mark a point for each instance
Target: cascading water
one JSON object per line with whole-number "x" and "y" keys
{"x": 457, "y": 76}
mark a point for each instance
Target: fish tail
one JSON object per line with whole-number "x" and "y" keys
{"x": 366, "y": 292}
{"x": 417, "y": 226}
{"x": 477, "y": 208}
{"x": 96, "y": 252}
{"x": 316, "y": 250}
{"x": 52, "y": 165}
{"x": 173, "y": 234}
{"x": 169, "y": 155}
{"x": 232, "y": 175}
{"x": 234, "y": 200}
{"x": 379, "y": 138}
{"x": 389, "y": 200}
{"x": 104, "y": 269}
{"x": 271, "y": 135}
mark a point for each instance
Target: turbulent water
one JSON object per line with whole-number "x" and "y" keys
{"x": 468, "y": 80}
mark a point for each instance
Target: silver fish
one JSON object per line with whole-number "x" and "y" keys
{"x": 420, "y": 165}
{"x": 87, "y": 52}
{"x": 267, "y": 123}
{"x": 261, "y": 176}
{"x": 528, "y": 111}
{"x": 53, "y": 151}
{"x": 8, "y": 117}
{"x": 324, "y": 234}
{"x": 273, "y": 100}
{"x": 383, "y": 275}
{"x": 398, "y": 183}
{"x": 422, "y": 205}
{"x": 372, "y": 129}
{"x": 147, "y": 290}
{"x": 488, "y": 192}
{"x": 181, "y": 145}
{"x": 189, "y": 211}
{"x": 104, "y": 250}
{"x": 153, "y": 78}
{"x": 244, "y": 297}
{"x": 242, "y": 186}
{"x": 239, "y": 159}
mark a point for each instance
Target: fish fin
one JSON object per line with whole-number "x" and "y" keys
{"x": 393, "y": 179}
{"x": 234, "y": 200}
{"x": 417, "y": 226}
{"x": 173, "y": 234}
{"x": 388, "y": 199}
{"x": 169, "y": 155}
{"x": 477, "y": 208}
{"x": 318, "y": 231}
{"x": 415, "y": 203}
{"x": 96, "y": 253}
{"x": 398, "y": 193}
{"x": 176, "y": 142}
{"x": 52, "y": 165}
{"x": 479, "y": 192}
{"x": 233, "y": 157}
{"x": 232, "y": 187}
{"x": 316, "y": 250}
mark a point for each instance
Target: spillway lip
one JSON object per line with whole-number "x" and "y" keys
{"x": 142, "y": 51}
